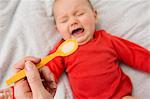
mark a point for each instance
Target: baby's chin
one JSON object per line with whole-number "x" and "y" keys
{"x": 83, "y": 41}
{"x": 80, "y": 41}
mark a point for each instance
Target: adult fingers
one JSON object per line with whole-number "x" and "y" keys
{"x": 22, "y": 89}
{"x": 23, "y": 84}
{"x": 33, "y": 78}
{"x": 20, "y": 64}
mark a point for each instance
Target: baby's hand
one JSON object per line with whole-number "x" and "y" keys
{"x": 48, "y": 80}
{"x": 6, "y": 93}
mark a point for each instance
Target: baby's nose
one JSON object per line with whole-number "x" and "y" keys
{"x": 73, "y": 22}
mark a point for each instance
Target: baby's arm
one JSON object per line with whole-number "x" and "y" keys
{"x": 132, "y": 54}
{"x": 57, "y": 65}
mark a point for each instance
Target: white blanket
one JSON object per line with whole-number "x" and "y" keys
{"x": 26, "y": 28}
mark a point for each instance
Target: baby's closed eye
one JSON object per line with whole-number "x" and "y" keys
{"x": 63, "y": 20}
{"x": 79, "y": 13}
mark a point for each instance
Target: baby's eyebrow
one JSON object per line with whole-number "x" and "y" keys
{"x": 80, "y": 10}
{"x": 61, "y": 17}
{"x": 74, "y": 12}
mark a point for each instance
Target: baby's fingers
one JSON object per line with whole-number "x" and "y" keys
{"x": 6, "y": 93}
{"x": 48, "y": 80}
{"x": 47, "y": 74}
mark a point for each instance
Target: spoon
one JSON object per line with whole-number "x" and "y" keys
{"x": 65, "y": 49}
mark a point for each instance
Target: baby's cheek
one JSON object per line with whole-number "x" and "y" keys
{"x": 65, "y": 35}
{"x": 88, "y": 21}
{"x": 62, "y": 30}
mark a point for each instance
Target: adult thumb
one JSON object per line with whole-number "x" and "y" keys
{"x": 33, "y": 77}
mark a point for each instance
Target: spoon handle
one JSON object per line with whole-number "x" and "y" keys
{"x": 21, "y": 74}
{"x": 16, "y": 77}
{"x": 46, "y": 59}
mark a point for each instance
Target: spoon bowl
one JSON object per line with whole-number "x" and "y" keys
{"x": 67, "y": 48}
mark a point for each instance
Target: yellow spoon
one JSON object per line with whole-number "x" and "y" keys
{"x": 65, "y": 49}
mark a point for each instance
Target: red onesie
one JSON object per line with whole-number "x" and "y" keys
{"x": 94, "y": 71}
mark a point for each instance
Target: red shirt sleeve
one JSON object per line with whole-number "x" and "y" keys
{"x": 132, "y": 54}
{"x": 56, "y": 65}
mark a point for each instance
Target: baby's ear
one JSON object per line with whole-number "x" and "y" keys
{"x": 55, "y": 27}
{"x": 95, "y": 14}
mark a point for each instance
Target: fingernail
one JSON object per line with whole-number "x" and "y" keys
{"x": 28, "y": 66}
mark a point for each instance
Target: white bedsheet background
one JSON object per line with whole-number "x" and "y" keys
{"x": 26, "y": 28}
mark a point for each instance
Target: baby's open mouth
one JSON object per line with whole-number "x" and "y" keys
{"x": 77, "y": 31}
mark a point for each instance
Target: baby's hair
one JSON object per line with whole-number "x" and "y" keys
{"x": 90, "y": 4}
{"x": 87, "y": 0}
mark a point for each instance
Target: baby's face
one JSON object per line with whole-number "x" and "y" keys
{"x": 75, "y": 19}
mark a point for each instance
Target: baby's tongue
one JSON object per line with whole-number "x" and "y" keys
{"x": 77, "y": 31}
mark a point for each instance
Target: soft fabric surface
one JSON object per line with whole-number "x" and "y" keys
{"x": 26, "y": 28}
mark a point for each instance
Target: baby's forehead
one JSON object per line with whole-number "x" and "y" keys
{"x": 65, "y": 1}
{"x": 64, "y": 5}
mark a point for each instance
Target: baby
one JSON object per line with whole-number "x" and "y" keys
{"x": 93, "y": 70}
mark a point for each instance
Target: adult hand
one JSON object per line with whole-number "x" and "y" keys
{"x": 33, "y": 87}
